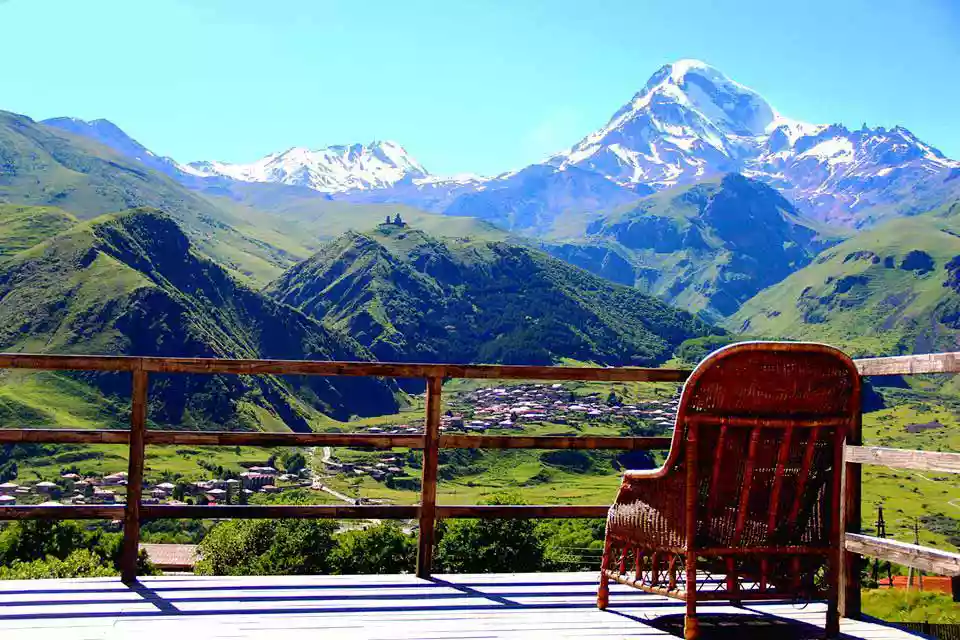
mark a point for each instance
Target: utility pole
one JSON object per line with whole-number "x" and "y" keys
{"x": 916, "y": 540}
{"x": 881, "y": 533}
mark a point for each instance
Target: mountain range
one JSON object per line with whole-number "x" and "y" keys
{"x": 698, "y": 205}
{"x": 688, "y": 123}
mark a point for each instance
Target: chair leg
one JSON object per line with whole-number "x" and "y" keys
{"x": 832, "y": 625}
{"x": 603, "y": 591}
{"x": 691, "y": 625}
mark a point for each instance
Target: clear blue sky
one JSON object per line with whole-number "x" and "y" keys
{"x": 482, "y": 86}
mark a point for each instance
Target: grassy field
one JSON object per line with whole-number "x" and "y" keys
{"x": 907, "y": 495}
{"x": 897, "y": 605}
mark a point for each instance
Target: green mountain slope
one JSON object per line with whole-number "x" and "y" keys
{"x": 409, "y": 296}
{"x": 23, "y": 227}
{"x": 706, "y": 248}
{"x": 132, "y": 284}
{"x": 45, "y": 166}
{"x": 893, "y": 289}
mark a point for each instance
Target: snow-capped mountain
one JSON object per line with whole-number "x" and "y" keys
{"x": 688, "y": 123}
{"x": 691, "y": 121}
{"x": 335, "y": 169}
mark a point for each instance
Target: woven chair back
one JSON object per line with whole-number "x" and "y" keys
{"x": 771, "y": 421}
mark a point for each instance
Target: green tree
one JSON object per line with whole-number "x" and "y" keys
{"x": 40, "y": 541}
{"x": 573, "y": 545}
{"x": 80, "y": 563}
{"x": 293, "y": 462}
{"x": 268, "y": 547}
{"x": 382, "y": 548}
{"x": 490, "y": 546}
{"x": 179, "y": 491}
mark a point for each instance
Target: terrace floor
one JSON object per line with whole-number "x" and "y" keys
{"x": 555, "y": 605}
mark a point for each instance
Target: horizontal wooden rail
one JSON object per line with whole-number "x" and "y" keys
{"x": 335, "y": 511}
{"x": 493, "y": 511}
{"x": 905, "y": 458}
{"x": 64, "y": 512}
{"x": 266, "y": 439}
{"x": 910, "y": 365}
{"x": 65, "y": 436}
{"x": 337, "y": 368}
{"x": 935, "y": 561}
{"x": 321, "y": 511}
{"x": 552, "y": 442}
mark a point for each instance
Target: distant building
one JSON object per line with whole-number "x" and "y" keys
{"x": 253, "y": 480}
{"x": 46, "y": 487}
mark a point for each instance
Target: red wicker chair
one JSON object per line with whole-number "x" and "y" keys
{"x": 747, "y": 504}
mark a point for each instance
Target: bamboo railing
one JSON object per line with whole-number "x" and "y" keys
{"x": 427, "y": 512}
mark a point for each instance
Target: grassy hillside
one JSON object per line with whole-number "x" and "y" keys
{"x": 132, "y": 284}
{"x": 45, "y": 166}
{"x": 409, "y": 296}
{"x": 707, "y": 248}
{"x": 23, "y": 227}
{"x": 889, "y": 290}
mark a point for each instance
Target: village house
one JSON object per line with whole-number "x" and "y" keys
{"x": 116, "y": 479}
{"x": 254, "y": 480}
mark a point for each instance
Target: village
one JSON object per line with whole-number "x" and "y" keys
{"x": 72, "y": 488}
{"x": 517, "y": 407}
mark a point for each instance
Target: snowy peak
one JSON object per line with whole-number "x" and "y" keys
{"x": 729, "y": 106}
{"x": 690, "y": 121}
{"x": 333, "y": 169}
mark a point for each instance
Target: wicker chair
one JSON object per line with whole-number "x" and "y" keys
{"x": 747, "y": 504}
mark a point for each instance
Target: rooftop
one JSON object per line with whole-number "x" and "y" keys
{"x": 390, "y": 606}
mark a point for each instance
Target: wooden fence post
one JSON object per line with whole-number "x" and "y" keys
{"x": 131, "y": 518}
{"x": 428, "y": 483}
{"x": 849, "y": 588}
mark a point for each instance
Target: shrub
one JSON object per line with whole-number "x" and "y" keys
{"x": 267, "y": 547}
{"x": 382, "y": 548}
{"x": 490, "y": 546}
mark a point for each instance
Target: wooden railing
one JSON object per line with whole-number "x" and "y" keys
{"x": 427, "y": 512}
{"x": 856, "y": 455}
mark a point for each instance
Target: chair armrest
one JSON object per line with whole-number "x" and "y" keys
{"x": 644, "y": 474}
{"x": 649, "y": 509}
